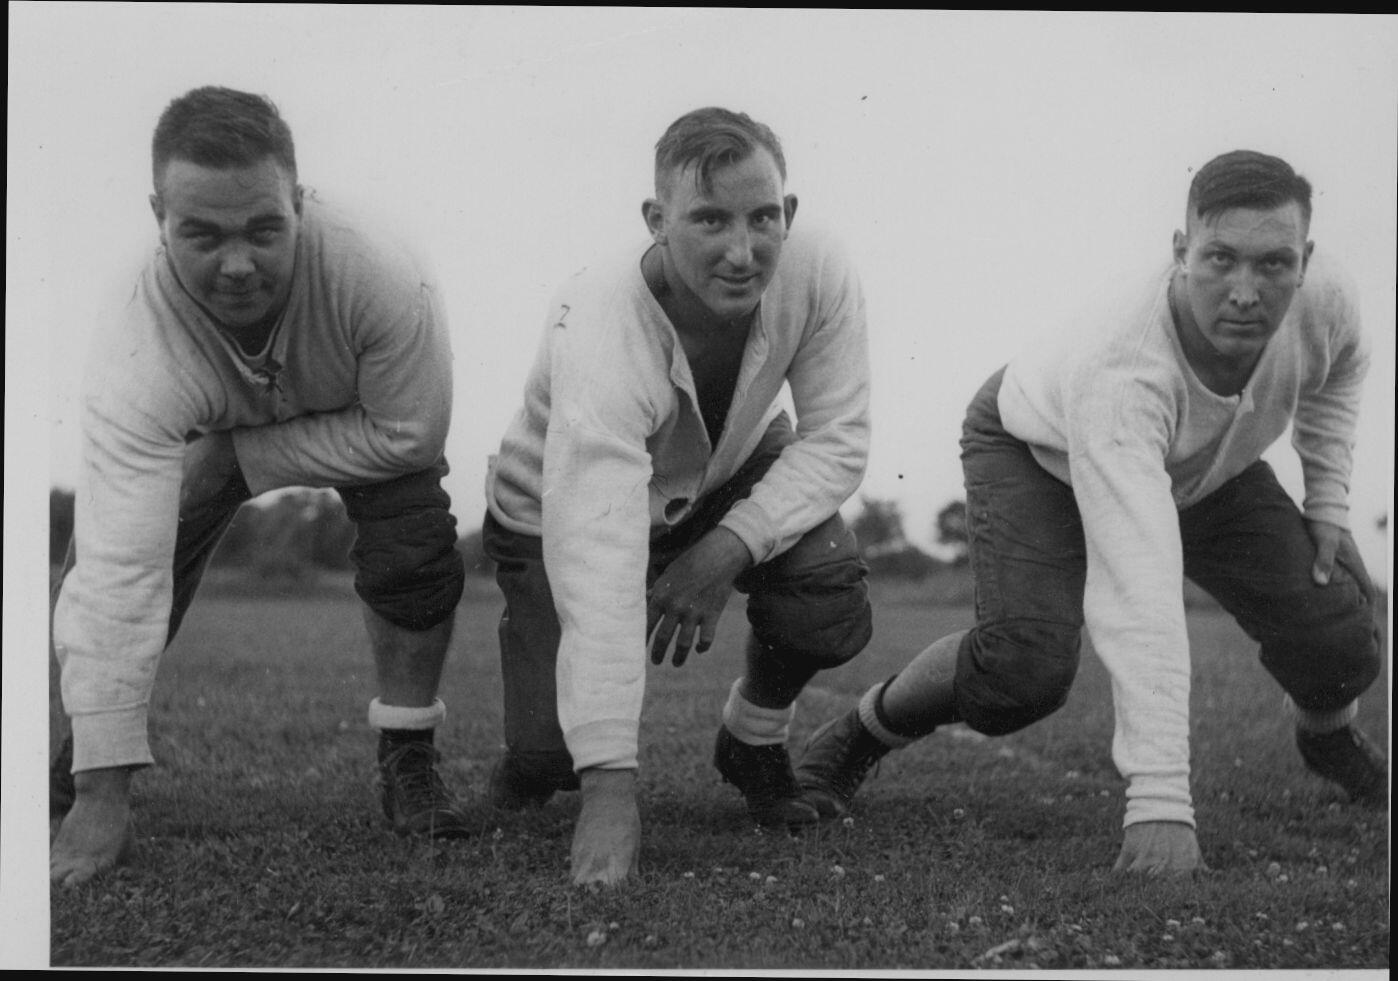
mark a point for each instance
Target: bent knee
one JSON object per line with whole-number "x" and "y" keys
{"x": 1012, "y": 674}
{"x": 812, "y": 601}
{"x": 1326, "y": 665}
{"x": 408, "y": 569}
{"x": 823, "y": 631}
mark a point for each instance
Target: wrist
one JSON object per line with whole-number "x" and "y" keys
{"x": 106, "y": 783}
{"x": 596, "y": 781}
{"x": 734, "y": 552}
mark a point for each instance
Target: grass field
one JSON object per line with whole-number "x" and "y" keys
{"x": 261, "y": 843}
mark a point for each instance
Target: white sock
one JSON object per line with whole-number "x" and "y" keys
{"x": 869, "y": 718}
{"x": 1321, "y": 722}
{"x": 753, "y": 724}
{"x": 383, "y": 716}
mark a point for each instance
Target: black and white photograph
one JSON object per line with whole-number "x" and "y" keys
{"x": 698, "y": 491}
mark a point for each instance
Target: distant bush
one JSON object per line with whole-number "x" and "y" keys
{"x": 294, "y": 534}
{"x": 906, "y": 562}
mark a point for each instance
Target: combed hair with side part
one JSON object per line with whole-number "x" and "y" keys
{"x": 1247, "y": 179}
{"x": 710, "y": 139}
{"x": 221, "y": 128}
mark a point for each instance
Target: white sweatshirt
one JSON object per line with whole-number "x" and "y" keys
{"x": 1114, "y": 409}
{"x": 610, "y": 450}
{"x": 357, "y": 389}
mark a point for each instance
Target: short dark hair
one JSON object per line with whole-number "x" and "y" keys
{"x": 1247, "y": 179}
{"x": 221, "y": 128}
{"x": 711, "y": 138}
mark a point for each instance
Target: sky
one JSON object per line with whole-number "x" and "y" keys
{"x": 987, "y": 170}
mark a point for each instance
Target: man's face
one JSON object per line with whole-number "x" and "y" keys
{"x": 231, "y": 236}
{"x": 1240, "y": 269}
{"x": 722, "y": 246}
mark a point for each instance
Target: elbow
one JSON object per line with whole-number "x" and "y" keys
{"x": 414, "y": 448}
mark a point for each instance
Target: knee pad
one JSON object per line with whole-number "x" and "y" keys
{"x": 1326, "y": 663}
{"x": 1009, "y": 675}
{"x": 821, "y": 629}
{"x": 810, "y": 604}
{"x": 408, "y": 569}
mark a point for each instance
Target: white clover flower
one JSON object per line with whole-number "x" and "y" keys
{"x": 837, "y": 870}
{"x": 596, "y": 938}
{"x": 771, "y": 880}
{"x": 1219, "y": 956}
{"x": 798, "y": 923}
{"x": 1111, "y": 960}
{"x": 1007, "y": 909}
{"x": 974, "y": 921}
{"x": 879, "y": 877}
{"x": 1283, "y": 878}
{"x": 754, "y": 875}
{"x": 1322, "y": 870}
{"x": 1274, "y": 869}
{"x": 1197, "y": 921}
{"x": 848, "y": 822}
{"x": 1337, "y": 927}
{"x": 1167, "y": 937}
{"x": 1302, "y": 926}
{"x": 1172, "y": 924}
{"x": 953, "y": 927}
{"x": 689, "y": 875}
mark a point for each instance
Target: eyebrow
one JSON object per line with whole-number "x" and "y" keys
{"x": 1283, "y": 252}
{"x": 192, "y": 223}
{"x": 713, "y": 210}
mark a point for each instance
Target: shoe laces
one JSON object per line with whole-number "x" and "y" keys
{"x": 411, "y": 769}
{"x": 849, "y": 756}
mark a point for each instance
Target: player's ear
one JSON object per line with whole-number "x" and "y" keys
{"x": 654, "y": 216}
{"x": 789, "y": 210}
{"x": 1180, "y": 247}
{"x": 1305, "y": 262}
{"x": 297, "y": 193}
{"x": 157, "y": 207}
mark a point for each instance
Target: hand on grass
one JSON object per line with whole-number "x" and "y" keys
{"x": 1160, "y": 848}
{"x": 1327, "y": 539}
{"x": 96, "y": 834}
{"x": 607, "y": 839}
{"x": 209, "y": 464}
{"x": 690, "y": 595}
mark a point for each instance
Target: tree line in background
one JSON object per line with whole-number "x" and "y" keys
{"x": 303, "y": 531}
